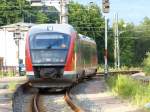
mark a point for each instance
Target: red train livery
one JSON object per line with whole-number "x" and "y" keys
{"x": 57, "y": 51}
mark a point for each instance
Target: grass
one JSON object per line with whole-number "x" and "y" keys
{"x": 7, "y": 74}
{"x": 128, "y": 88}
{"x": 12, "y": 86}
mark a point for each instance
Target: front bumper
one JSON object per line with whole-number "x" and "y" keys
{"x": 69, "y": 77}
{"x": 50, "y": 83}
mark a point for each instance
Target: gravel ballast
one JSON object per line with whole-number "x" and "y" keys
{"x": 93, "y": 96}
{"x": 54, "y": 103}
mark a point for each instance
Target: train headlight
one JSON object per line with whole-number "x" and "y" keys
{"x": 48, "y": 59}
{"x": 38, "y": 60}
{"x": 61, "y": 60}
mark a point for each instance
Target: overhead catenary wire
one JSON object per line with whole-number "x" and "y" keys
{"x": 74, "y": 22}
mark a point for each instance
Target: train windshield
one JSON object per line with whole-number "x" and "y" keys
{"x": 48, "y": 48}
{"x": 50, "y": 41}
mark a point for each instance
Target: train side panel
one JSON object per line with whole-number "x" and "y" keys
{"x": 86, "y": 57}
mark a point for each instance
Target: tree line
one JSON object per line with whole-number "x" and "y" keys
{"x": 88, "y": 20}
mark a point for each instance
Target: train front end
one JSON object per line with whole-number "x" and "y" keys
{"x": 47, "y": 53}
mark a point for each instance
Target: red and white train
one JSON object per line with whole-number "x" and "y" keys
{"x": 57, "y": 52}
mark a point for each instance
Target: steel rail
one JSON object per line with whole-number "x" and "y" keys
{"x": 128, "y": 72}
{"x": 69, "y": 101}
{"x": 35, "y": 103}
{"x": 67, "y": 98}
{"x": 142, "y": 79}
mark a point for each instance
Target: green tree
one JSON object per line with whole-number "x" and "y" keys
{"x": 41, "y": 18}
{"x": 127, "y": 40}
{"x": 134, "y": 42}
{"x": 12, "y": 11}
{"x": 89, "y": 21}
{"x": 142, "y": 45}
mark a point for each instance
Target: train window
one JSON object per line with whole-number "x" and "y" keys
{"x": 50, "y": 41}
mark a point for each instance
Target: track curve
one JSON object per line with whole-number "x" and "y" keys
{"x": 74, "y": 107}
{"x": 35, "y": 107}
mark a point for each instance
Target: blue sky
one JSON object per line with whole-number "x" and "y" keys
{"x": 130, "y": 10}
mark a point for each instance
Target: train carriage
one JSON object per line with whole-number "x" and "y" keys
{"x": 57, "y": 52}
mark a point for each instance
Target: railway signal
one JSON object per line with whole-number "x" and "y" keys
{"x": 105, "y": 6}
{"x": 105, "y": 9}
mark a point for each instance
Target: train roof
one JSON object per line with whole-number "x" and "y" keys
{"x": 86, "y": 38}
{"x": 62, "y": 28}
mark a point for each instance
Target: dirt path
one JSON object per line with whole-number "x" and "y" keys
{"x": 94, "y": 97}
{"x": 6, "y": 94}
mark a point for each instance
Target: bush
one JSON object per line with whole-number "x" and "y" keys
{"x": 146, "y": 64}
{"x": 129, "y": 88}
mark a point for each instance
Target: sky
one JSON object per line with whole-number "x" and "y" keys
{"x": 130, "y": 10}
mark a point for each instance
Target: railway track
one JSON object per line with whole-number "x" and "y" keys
{"x": 142, "y": 79}
{"x": 71, "y": 103}
{"x": 37, "y": 106}
{"x": 124, "y": 72}
{"x": 45, "y": 103}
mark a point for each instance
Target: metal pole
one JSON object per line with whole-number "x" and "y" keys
{"x": 60, "y": 12}
{"x": 106, "y": 51}
{"x": 64, "y": 12}
{"x": 118, "y": 49}
{"x": 115, "y": 43}
{"x": 5, "y": 48}
{"x": 18, "y": 37}
{"x": 5, "y": 58}
{"x": 18, "y": 56}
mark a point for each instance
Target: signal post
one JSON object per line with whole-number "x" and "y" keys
{"x": 105, "y": 9}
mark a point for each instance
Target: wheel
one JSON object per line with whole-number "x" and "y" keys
{"x": 77, "y": 78}
{"x": 83, "y": 74}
